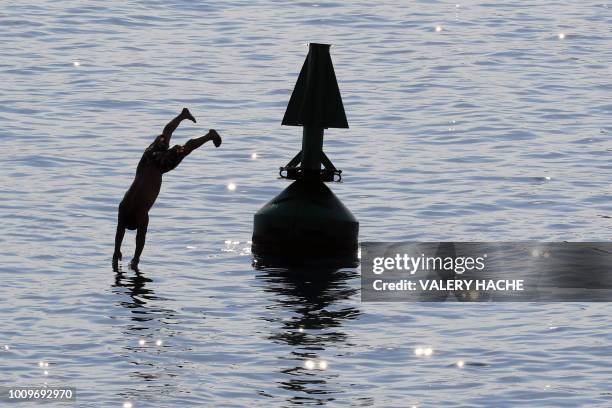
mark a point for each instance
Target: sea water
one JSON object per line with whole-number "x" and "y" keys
{"x": 469, "y": 121}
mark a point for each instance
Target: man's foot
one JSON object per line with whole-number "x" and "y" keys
{"x": 187, "y": 115}
{"x": 215, "y": 137}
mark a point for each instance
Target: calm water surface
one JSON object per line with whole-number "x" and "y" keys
{"x": 491, "y": 128}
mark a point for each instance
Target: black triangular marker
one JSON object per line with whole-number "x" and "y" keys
{"x": 316, "y": 99}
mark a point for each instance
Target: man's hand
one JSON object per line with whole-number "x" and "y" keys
{"x": 134, "y": 264}
{"x": 116, "y": 258}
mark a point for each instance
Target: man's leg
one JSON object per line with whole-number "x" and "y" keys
{"x": 173, "y": 157}
{"x": 141, "y": 234}
{"x": 173, "y": 124}
{"x": 193, "y": 144}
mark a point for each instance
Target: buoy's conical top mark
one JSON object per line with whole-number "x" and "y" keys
{"x": 316, "y": 99}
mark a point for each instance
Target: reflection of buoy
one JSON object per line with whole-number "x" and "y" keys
{"x": 307, "y": 218}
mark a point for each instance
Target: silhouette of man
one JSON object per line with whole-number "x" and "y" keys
{"x": 156, "y": 160}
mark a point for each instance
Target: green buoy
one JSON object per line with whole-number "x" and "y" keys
{"x": 306, "y": 220}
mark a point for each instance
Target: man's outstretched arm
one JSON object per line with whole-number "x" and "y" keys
{"x": 118, "y": 240}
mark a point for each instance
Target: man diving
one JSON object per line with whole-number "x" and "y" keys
{"x": 156, "y": 160}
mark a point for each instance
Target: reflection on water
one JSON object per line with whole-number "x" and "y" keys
{"x": 139, "y": 294}
{"x": 143, "y": 337}
{"x": 312, "y": 298}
